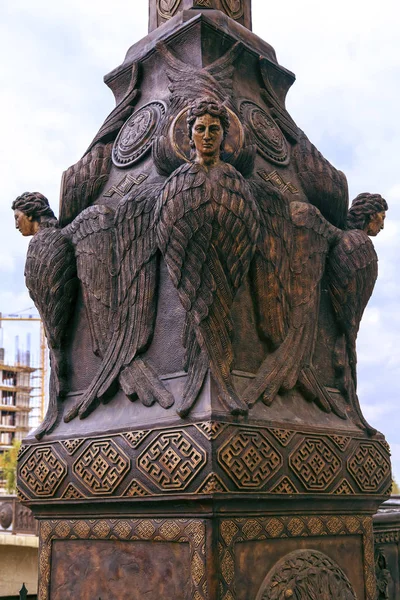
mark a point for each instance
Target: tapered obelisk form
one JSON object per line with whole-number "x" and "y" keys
{"x": 161, "y": 11}
{"x": 202, "y": 293}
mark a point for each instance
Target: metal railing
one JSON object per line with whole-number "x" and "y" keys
{"x": 16, "y": 518}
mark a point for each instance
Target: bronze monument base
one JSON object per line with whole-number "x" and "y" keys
{"x": 207, "y": 510}
{"x": 215, "y": 557}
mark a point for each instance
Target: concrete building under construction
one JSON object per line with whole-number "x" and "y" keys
{"x": 15, "y": 400}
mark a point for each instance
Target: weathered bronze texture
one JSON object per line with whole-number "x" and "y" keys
{"x": 16, "y": 518}
{"x": 207, "y": 285}
{"x": 161, "y": 11}
{"x": 387, "y": 549}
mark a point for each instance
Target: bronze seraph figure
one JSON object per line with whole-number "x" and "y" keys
{"x": 215, "y": 231}
{"x": 352, "y": 270}
{"x": 204, "y": 221}
{"x": 207, "y": 231}
{"x": 51, "y": 278}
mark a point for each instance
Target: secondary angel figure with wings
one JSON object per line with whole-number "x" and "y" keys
{"x": 214, "y": 229}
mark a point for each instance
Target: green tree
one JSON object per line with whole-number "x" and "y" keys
{"x": 8, "y": 465}
{"x": 395, "y": 487}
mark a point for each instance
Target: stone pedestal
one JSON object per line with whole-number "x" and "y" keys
{"x": 136, "y": 501}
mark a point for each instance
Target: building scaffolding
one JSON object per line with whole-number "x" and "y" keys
{"x": 21, "y": 407}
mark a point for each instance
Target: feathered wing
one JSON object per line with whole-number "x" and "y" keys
{"x": 82, "y": 183}
{"x": 50, "y": 274}
{"x": 287, "y": 271}
{"x": 207, "y": 230}
{"x": 134, "y": 307}
{"x": 277, "y": 106}
{"x": 92, "y": 234}
{"x": 270, "y": 267}
{"x": 352, "y": 270}
{"x": 325, "y": 187}
{"x": 113, "y": 123}
{"x": 188, "y": 82}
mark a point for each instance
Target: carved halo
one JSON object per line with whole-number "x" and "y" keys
{"x": 180, "y": 139}
{"x": 137, "y": 134}
{"x": 167, "y": 8}
{"x": 234, "y": 8}
{"x": 270, "y": 140}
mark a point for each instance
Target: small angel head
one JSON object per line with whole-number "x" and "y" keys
{"x": 367, "y": 212}
{"x": 32, "y": 212}
{"x": 208, "y": 126}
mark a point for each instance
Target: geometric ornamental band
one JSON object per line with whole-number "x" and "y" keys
{"x": 101, "y": 467}
{"x": 172, "y": 460}
{"x": 249, "y": 459}
{"x": 43, "y": 471}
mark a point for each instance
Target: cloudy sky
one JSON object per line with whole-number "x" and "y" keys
{"x": 346, "y": 56}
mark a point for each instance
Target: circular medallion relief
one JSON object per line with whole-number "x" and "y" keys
{"x": 167, "y": 8}
{"x": 306, "y": 574}
{"x": 6, "y": 515}
{"x": 180, "y": 138}
{"x": 234, "y": 8}
{"x": 137, "y": 134}
{"x": 270, "y": 140}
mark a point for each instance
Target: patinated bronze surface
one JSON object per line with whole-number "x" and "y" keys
{"x": 387, "y": 549}
{"x": 202, "y": 293}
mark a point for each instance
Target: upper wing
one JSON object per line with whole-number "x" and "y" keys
{"x": 50, "y": 274}
{"x": 270, "y": 268}
{"x": 289, "y": 263}
{"x": 134, "y": 307}
{"x": 352, "y": 269}
{"x": 188, "y": 82}
{"x": 93, "y": 237}
{"x": 325, "y": 187}
{"x": 82, "y": 183}
{"x": 312, "y": 238}
{"x": 277, "y": 105}
{"x": 121, "y": 112}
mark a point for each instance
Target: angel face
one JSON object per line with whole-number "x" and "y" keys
{"x": 26, "y": 225}
{"x": 376, "y": 223}
{"x": 207, "y": 136}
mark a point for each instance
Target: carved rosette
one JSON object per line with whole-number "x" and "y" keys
{"x": 305, "y": 574}
{"x": 233, "y": 8}
{"x": 319, "y": 574}
{"x": 6, "y": 515}
{"x": 137, "y": 134}
{"x": 167, "y": 8}
{"x": 271, "y": 143}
